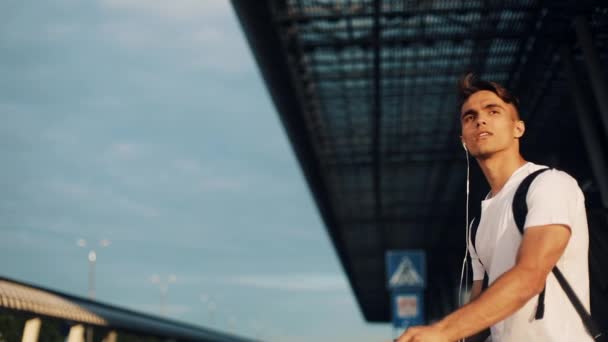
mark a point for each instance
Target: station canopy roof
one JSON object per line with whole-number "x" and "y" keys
{"x": 367, "y": 93}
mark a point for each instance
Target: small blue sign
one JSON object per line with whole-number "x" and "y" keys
{"x": 406, "y": 269}
{"x": 408, "y": 308}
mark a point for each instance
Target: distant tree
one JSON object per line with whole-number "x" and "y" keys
{"x": 51, "y": 330}
{"x": 11, "y": 326}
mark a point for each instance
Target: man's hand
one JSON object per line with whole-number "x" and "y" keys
{"x": 423, "y": 333}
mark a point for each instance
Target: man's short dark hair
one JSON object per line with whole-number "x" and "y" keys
{"x": 470, "y": 84}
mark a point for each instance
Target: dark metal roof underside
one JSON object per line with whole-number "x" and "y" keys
{"x": 366, "y": 91}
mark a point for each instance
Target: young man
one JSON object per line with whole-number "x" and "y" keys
{"x": 518, "y": 267}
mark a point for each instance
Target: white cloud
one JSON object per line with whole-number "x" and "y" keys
{"x": 124, "y": 151}
{"x": 189, "y": 166}
{"x": 59, "y": 135}
{"x": 105, "y": 196}
{"x": 138, "y": 208}
{"x": 203, "y": 33}
{"x": 59, "y": 31}
{"x": 294, "y": 282}
{"x": 154, "y": 309}
{"x": 193, "y": 172}
{"x": 176, "y": 9}
{"x": 221, "y": 184}
{"x": 209, "y": 35}
{"x": 134, "y": 35}
{"x": 38, "y": 242}
{"x": 183, "y": 175}
{"x": 72, "y": 190}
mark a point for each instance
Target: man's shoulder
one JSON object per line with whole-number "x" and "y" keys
{"x": 554, "y": 176}
{"x": 552, "y": 181}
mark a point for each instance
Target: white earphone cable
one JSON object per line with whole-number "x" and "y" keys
{"x": 464, "y": 269}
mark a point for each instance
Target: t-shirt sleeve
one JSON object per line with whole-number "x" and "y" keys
{"x": 553, "y": 198}
{"x": 478, "y": 270}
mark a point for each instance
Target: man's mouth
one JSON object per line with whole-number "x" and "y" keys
{"x": 483, "y": 134}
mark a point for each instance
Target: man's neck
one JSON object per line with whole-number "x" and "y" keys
{"x": 497, "y": 169}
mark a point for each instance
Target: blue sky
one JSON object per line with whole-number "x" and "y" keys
{"x": 146, "y": 122}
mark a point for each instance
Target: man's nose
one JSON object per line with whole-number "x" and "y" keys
{"x": 481, "y": 121}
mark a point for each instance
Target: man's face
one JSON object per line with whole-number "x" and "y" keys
{"x": 489, "y": 125}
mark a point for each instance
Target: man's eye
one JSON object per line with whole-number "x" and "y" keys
{"x": 493, "y": 112}
{"x": 468, "y": 118}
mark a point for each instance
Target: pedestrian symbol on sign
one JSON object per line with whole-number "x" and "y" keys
{"x": 405, "y": 274}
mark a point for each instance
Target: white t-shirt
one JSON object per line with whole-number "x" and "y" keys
{"x": 553, "y": 198}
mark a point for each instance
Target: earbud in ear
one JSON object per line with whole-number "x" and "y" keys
{"x": 465, "y": 147}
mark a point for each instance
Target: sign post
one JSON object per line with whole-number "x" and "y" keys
{"x": 406, "y": 279}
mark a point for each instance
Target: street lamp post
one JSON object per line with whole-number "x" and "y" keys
{"x": 232, "y": 324}
{"x": 211, "y": 306}
{"x": 92, "y": 257}
{"x": 164, "y": 289}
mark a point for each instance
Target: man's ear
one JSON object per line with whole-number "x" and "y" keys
{"x": 520, "y": 129}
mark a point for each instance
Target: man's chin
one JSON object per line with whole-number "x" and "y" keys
{"x": 482, "y": 155}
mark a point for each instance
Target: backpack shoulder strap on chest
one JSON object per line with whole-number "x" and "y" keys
{"x": 520, "y": 210}
{"x": 520, "y": 207}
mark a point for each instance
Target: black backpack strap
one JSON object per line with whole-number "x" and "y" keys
{"x": 520, "y": 207}
{"x": 590, "y": 325}
{"x": 520, "y": 210}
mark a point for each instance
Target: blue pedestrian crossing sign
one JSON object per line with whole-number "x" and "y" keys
{"x": 406, "y": 269}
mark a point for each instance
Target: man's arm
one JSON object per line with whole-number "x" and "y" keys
{"x": 541, "y": 248}
{"x": 476, "y": 290}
